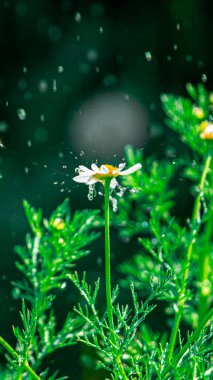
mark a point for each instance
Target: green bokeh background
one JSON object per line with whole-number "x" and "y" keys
{"x": 56, "y": 56}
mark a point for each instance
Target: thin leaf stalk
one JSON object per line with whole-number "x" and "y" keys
{"x": 195, "y": 219}
{"x": 18, "y": 358}
{"x": 108, "y": 272}
{"x": 206, "y": 321}
{"x": 205, "y": 289}
{"x": 107, "y": 256}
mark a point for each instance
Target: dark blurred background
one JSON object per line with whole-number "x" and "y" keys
{"x": 78, "y": 81}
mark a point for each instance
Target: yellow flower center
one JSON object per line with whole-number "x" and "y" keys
{"x": 110, "y": 174}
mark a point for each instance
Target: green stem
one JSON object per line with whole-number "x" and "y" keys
{"x": 192, "y": 339}
{"x": 121, "y": 368}
{"x": 181, "y": 299}
{"x": 204, "y": 295}
{"x": 18, "y": 357}
{"x": 107, "y": 256}
{"x": 108, "y": 274}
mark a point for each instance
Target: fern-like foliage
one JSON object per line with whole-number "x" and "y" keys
{"x": 116, "y": 347}
{"x": 185, "y": 115}
{"x": 52, "y": 249}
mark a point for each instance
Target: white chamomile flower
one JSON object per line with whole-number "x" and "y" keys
{"x": 96, "y": 174}
{"x": 207, "y": 131}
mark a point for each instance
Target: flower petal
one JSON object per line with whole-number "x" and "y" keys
{"x": 91, "y": 181}
{"x": 85, "y": 170}
{"x": 82, "y": 178}
{"x": 104, "y": 169}
{"x": 94, "y": 168}
{"x": 131, "y": 170}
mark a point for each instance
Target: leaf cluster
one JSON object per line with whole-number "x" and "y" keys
{"x": 52, "y": 249}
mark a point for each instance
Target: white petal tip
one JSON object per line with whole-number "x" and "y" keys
{"x": 131, "y": 170}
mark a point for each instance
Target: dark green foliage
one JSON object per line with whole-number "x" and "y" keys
{"x": 185, "y": 115}
{"x": 171, "y": 269}
{"x": 116, "y": 345}
{"x": 51, "y": 251}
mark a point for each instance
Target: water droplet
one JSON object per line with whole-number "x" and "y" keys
{"x": 78, "y": 17}
{"x": 21, "y": 114}
{"x": 3, "y": 126}
{"x": 101, "y": 30}
{"x": 154, "y": 241}
{"x": 26, "y": 169}
{"x": 54, "y": 85}
{"x": 63, "y": 285}
{"x": 114, "y": 203}
{"x": 145, "y": 224}
{"x": 178, "y": 27}
{"x": 175, "y": 47}
{"x": 29, "y": 143}
{"x": 204, "y": 78}
{"x": 92, "y": 55}
{"x": 189, "y": 58}
{"x": 60, "y": 69}
{"x": 43, "y": 85}
{"x": 16, "y": 293}
{"x": 121, "y": 190}
{"x": 148, "y": 56}
{"x": 42, "y": 118}
{"x": 64, "y": 166}
{"x": 92, "y": 192}
{"x": 24, "y": 69}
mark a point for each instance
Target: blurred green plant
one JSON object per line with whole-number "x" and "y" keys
{"x": 171, "y": 270}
